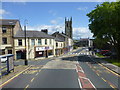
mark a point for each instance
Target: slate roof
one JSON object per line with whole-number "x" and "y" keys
{"x": 8, "y": 21}
{"x": 37, "y": 34}
{"x": 61, "y": 34}
{"x": 59, "y": 40}
{"x": 64, "y": 35}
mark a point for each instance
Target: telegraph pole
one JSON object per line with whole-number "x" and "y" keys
{"x": 26, "y": 61}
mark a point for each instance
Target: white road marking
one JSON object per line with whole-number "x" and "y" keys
{"x": 88, "y": 80}
{"x": 36, "y": 74}
{"x": 32, "y": 79}
{"x": 79, "y": 83}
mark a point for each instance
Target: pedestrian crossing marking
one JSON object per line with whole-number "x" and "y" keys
{"x": 79, "y": 53}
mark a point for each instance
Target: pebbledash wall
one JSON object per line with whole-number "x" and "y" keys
{"x": 34, "y": 51}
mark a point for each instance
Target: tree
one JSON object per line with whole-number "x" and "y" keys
{"x": 105, "y": 24}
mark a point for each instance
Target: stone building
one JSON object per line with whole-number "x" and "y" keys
{"x": 68, "y": 27}
{"x": 68, "y": 42}
{"x": 85, "y": 42}
{"x": 8, "y": 29}
{"x": 59, "y": 46}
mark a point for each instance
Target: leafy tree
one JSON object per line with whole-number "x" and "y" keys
{"x": 105, "y": 24}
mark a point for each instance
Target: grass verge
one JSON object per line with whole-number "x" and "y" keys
{"x": 114, "y": 61}
{"x": 99, "y": 55}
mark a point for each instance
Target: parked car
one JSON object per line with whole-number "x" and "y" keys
{"x": 3, "y": 59}
{"x": 103, "y": 51}
{"x": 106, "y": 52}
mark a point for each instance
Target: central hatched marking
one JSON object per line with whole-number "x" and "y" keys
{"x": 33, "y": 69}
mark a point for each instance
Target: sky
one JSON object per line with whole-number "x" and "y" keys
{"x": 51, "y": 15}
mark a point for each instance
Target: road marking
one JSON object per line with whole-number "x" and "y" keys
{"x": 39, "y": 70}
{"x": 106, "y": 68}
{"x": 89, "y": 81}
{"x": 92, "y": 84}
{"x": 32, "y": 79}
{"x": 13, "y": 77}
{"x": 103, "y": 79}
{"x": 36, "y": 74}
{"x": 98, "y": 74}
{"x": 83, "y": 77}
{"x": 109, "y": 70}
{"x": 26, "y": 87}
{"x": 79, "y": 83}
{"x": 112, "y": 86}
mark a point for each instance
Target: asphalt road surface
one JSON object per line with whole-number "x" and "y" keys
{"x": 72, "y": 71}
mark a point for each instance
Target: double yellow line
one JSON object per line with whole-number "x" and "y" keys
{"x": 13, "y": 77}
{"x": 109, "y": 70}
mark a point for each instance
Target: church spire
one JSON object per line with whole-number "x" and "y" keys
{"x": 65, "y": 19}
{"x": 71, "y": 19}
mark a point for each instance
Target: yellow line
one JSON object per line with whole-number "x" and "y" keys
{"x": 27, "y": 86}
{"x": 110, "y": 70}
{"x": 13, "y": 77}
{"x": 112, "y": 86}
{"x": 103, "y": 79}
{"x": 32, "y": 79}
{"x": 97, "y": 74}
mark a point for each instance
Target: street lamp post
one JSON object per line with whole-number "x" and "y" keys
{"x": 26, "y": 61}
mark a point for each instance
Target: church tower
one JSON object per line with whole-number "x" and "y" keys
{"x": 68, "y": 27}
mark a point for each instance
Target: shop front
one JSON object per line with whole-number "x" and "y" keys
{"x": 43, "y": 51}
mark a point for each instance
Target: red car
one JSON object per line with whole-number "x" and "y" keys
{"x": 105, "y": 52}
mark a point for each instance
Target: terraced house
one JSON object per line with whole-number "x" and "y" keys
{"x": 68, "y": 42}
{"x": 38, "y": 45}
{"x": 59, "y": 46}
{"x": 8, "y": 29}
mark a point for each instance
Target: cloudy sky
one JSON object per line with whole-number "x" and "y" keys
{"x": 51, "y": 15}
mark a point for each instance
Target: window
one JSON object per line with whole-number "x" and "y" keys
{"x": 45, "y": 41}
{"x": 32, "y": 42}
{"x": 50, "y": 52}
{"x": 4, "y": 29}
{"x": 9, "y": 51}
{"x": 39, "y": 41}
{"x": 20, "y": 42}
{"x": 61, "y": 44}
{"x": 4, "y": 40}
{"x": 50, "y": 41}
{"x": 3, "y": 51}
{"x": 56, "y": 44}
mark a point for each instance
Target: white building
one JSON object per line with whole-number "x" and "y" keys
{"x": 68, "y": 42}
{"x": 39, "y": 44}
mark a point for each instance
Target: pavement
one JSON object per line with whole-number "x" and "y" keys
{"x": 108, "y": 65}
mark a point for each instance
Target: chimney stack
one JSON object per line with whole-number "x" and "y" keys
{"x": 45, "y": 31}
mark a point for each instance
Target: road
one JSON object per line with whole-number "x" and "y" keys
{"x": 75, "y": 70}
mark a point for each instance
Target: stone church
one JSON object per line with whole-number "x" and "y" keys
{"x": 68, "y": 27}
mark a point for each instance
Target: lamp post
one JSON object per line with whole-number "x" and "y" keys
{"x": 26, "y": 61}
